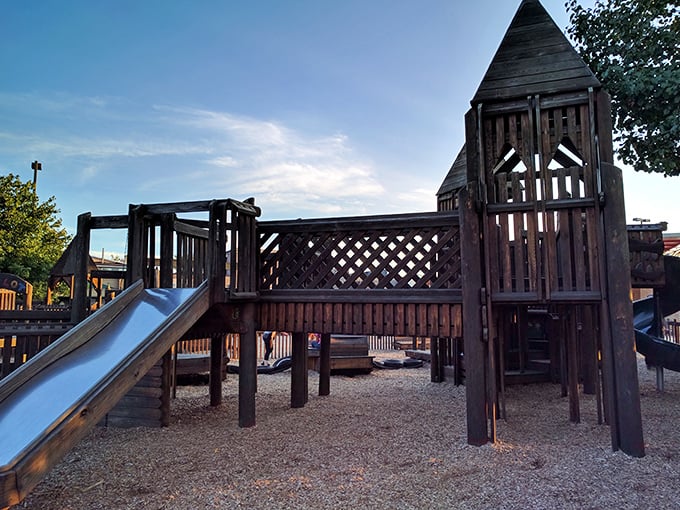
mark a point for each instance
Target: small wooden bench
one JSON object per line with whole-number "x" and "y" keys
{"x": 349, "y": 354}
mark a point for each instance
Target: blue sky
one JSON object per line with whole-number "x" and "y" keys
{"x": 315, "y": 108}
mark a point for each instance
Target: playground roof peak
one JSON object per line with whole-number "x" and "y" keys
{"x": 534, "y": 57}
{"x": 456, "y": 178}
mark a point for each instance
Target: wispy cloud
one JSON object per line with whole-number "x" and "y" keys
{"x": 194, "y": 153}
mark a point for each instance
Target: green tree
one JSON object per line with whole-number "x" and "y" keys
{"x": 633, "y": 46}
{"x": 31, "y": 234}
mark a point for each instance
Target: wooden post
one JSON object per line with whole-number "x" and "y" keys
{"x": 216, "y": 369}
{"x": 474, "y": 348}
{"x": 217, "y": 240}
{"x": 572, "y": 361}
{"x": 325, "y": 365}
{"x": 166, "y": 382}
{"x": 79, "y": 306}
{"x": 298, "y": 379}
{"x": 588, "y": 350}
{"x": 166, "y": 249}
{"x": 626, "y": 392}
{"x": 435, "y": 372}
{"x": 457, "y": 362}
{"x": 247, "y": 380}
{"x": 136, "y": 245}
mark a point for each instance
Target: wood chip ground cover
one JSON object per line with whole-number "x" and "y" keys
{"x": 389, "y": 439}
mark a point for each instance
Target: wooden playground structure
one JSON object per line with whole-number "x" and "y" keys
{"x": 530, "y": 237}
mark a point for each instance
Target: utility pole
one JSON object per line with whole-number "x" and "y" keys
{"x": 36, "y": 165}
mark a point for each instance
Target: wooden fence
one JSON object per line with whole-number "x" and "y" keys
{"x": 25, "y": 333}
{"x": 282, "y": 345}
{"x": 672, "y": 331}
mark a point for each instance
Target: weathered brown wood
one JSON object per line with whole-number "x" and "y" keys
{"x": 572, "y": 360}
{"x": 395, "y": 296}
{"x": 183, "y": 227}
{"x": 247, "y": 380}
{"x": 627, "y": 411}
{"x": 325, "y": 365}
{"x": 117, "y": 221}
{"x": 298, "y": 380}
{"x": 216, "y": 369}
{"x": 435, "y": 362}
{"x": 136, "y": 244}
{"x": 79, "y": 304}
{"x": 589, "y": 350}
{"x": 164, "y": 388}
{"x": 475, "y": 380}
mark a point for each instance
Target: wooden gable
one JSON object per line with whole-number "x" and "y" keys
{"x": 534, "y": 57}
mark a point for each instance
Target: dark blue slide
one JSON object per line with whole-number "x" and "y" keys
{"x": 650, "y": 342}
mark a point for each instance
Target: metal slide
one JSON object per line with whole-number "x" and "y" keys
{"x": 649, "y": 342}
{"x": 51, "y": 402}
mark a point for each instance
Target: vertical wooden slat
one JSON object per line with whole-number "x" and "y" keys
{"x": 533, "y": 261}
{"x": 357, "y": 319}
{"x": 378, "y": 322}
{"x": 499, "y": 238}
{"x": 327, "y": 318}
{"x": 407, "y": 316}
{"x": 579, "y": 250}
{"x": 432, "y": 320}
{"x": 564, "y": 245}
{"x": 519, "y": 244}
{"x": 337, "y": 317}
{"x": 367, "y": 318}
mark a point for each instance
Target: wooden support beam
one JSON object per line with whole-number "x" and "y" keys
{"x": 216, "y": 369}
{"x": 325, "y": 365}
{"x": 166, "y": 250}
{"x": 298, "y": 379}
{"x": 587, "y": 333}
{"x": 136, "y": 244}
{"x": 247, "y": 380}
{"x": 475, "y": 349}
{"x": 572, "y": 363}
{"x": 166, "y": 384}
{"x": 626, "y": 392}
{"x": 435, "y": 371}
{"x": 82, "y": 257}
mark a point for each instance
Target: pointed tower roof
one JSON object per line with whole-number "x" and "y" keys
{"x": 534, "y": 57}
{"x": 457, "y": 176}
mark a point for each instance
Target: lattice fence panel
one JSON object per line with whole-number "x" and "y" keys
{"x": 396, "y": 258}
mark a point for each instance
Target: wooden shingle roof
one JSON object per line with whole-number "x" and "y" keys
{"x": 534, "y": 57}
{"x": 457, "y": 176}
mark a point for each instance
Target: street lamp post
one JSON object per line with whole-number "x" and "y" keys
{"x": 36, "y": 165}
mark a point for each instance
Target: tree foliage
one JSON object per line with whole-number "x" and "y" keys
{"x": 633, "y": 46}
{"x": 31, "y": 234}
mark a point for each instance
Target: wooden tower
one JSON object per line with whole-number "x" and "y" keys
{"x": 544, "y": 227}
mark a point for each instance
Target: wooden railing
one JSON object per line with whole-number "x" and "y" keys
{"x": 25, "y": 333}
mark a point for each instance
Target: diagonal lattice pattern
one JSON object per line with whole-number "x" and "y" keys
{"x": 397, "y": 258}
